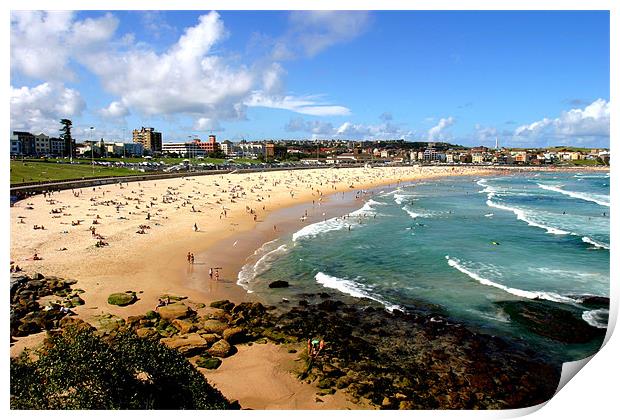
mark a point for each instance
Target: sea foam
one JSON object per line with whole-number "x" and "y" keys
{"x": 336, "y": 223}
{"x": 523, "y": 216}
{"x": 597, "y": 318}
{"x": 600, "y": 199}
{"x": 554, "y": 297}
{"x": 595, "y": 243}
{"x": 251, "y": 270}
{"x": 352, "y": 288}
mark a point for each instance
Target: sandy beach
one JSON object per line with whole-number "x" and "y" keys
{"x": 146, "y": 230}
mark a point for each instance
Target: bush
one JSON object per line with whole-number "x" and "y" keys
{"x": 78, "y": 370}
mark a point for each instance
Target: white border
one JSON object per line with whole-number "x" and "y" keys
{"x": 593, "y": 394}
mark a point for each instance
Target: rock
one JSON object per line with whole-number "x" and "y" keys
{"x": 147, "y": 332}
{"x": 216, "y": 313}
{"x": 189, "y": 345}
{"x": 386, "y": 403}
{"x": 134, "y": 319}
{"x": 76, "y": 301}
{"x": 174, "y": 311}
{"x": 406, "y": 405}
{"x": 184, "y": 326}
{"x": 330, "y": 305}
{"x": 222, "y": 304}
{"x": 220, "y": 348}
{"x": 122, "y": 299}
{"x": 74, "y": 322}
{"x": 211, "y": 338}
{"x": 551, "y": 320}
{"x": 214, "y": 326}
{"x": 152, "y": 315}
{"x": 325, "y": 383}
{"x": 107, "y": 323}
{"x": 234, "y": 335}
{"x": 278, "y": 284}
{"x": 209, "y": 362}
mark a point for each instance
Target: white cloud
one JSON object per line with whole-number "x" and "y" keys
{"x": 114, "y": 111}
{"x": 40, "y": 108}
{"x": 315, "y": 31}
{"x": 189, "y": 78}
{"x": 349, "y": 130}
{"x": 315, "y": 127}
{"x": 42, "y": 42}
{"x": 309, "y": 105}
{"x": 484, "y": 135}
{"x": 576, "y": 125}
{"x": 438, "y": 131}
{"x": 206, "y": 124}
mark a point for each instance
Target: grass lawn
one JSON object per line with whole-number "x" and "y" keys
{"x": 585, "y": 162}
{"x": 46, "y": 171}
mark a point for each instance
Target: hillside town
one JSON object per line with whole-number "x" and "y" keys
{"x": 147, "y": 142}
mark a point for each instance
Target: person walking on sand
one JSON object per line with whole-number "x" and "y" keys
{"x": 211, "y": 273}
{"x": 217, "y": 275}
{"x": 195, "y": 227}
{"x": 192, "y": 258}
{"x": 189, "y": 256}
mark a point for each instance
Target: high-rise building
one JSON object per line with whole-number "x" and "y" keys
{"x": 148, "y": 138}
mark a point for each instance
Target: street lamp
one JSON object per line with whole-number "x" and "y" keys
{"x": 92, "y": 149}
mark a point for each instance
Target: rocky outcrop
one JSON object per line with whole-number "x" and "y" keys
{"x": 214, "y": 326}
{"x": 220, "y": 348}
{"x": 122, "y": 299}
{"x": 174, "y": 311}
{"x": 278, "y": 284}
{"x": 27, "y": 316}
{"x": 556, "y": 321}
{"x": 188, "y": 345}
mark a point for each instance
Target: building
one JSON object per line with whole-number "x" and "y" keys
{"x": 133, "y": 149}
{"x": 228, "y": 148}
{"x": 57, "y": 146}
{"x": 477, "y": 157}
{"x": 149, "y": 138}
{"x": 26, "y": 142}
{"x": 42, "y": 145}
{"x": 210, "y": 146}
{"x": 519, "y": 157}
{"x": 16, "y": 147}
{"x": 270, "y": 151}
{"x": 187, "y": 149}
{"x": 252, "y": 150}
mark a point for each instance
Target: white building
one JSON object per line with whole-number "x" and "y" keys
{"x": 187, "y": 149}
{"x": 251, "y": 149}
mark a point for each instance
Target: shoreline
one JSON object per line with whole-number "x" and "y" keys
{"x": 228, "y": 245}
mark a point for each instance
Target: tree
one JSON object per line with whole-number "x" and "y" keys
{"x": 79, "y": 370}
{"x": 65, "y": 134}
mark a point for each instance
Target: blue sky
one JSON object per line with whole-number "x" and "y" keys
{"x": 530, "y": 78}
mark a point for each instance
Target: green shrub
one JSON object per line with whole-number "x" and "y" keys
{"x": 78, "y": 370}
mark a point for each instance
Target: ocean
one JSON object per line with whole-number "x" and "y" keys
{"x": 461, "y": 246}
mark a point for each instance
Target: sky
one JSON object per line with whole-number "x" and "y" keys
{"x": 526, "y": 78}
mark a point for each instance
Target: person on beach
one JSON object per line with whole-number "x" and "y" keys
{"x": 211, "y": 273}
{"x": 189, "y": 256}
{"x": 217, "y": 275}
{"x": 195, "y": 227}
{"x": 314, "y": 347}
{"x": 192, "y": 259}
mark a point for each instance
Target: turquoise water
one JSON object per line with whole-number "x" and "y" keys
{"x": 461, "y": 243}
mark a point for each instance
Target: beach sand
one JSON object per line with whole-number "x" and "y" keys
{"x": 234, "y": 213}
